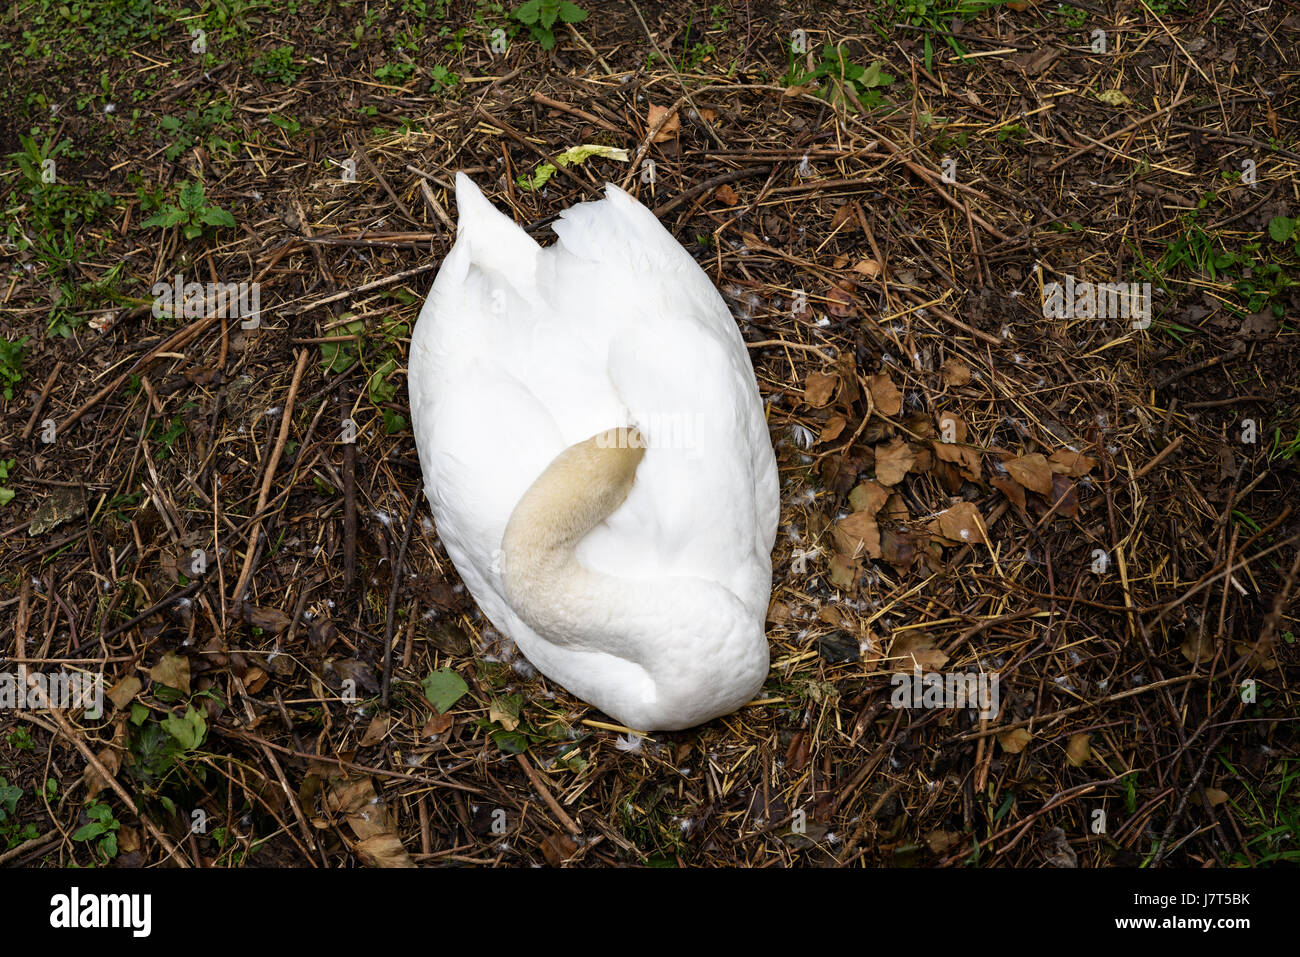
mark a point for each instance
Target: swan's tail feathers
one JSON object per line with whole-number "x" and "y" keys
{"x": 617, "y": 230}
{"x": 497, "y": 246}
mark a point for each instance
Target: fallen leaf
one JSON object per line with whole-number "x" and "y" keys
{"x": 558, "y": 848}
{"x": 443, "y": 688}
{"x": 1215, "y": 796}
{"x": 1079, "y": 749}
{"x": 436, "y": 725}
{"x": 888, "y": 400}
{"x": 172, "y": 670}
{"x": 1015, "y": 740}
{"x": 916, "y": 649}
{"x": 255, "y": 679}
{"x": 1197, "y": 646}
{"x": 955, "y": 372}
{"x": 1031, "y": 471}
{"x": 961, "y": 524}
{"x": 857, "y": 534}
{"x": 111, "y": 759}
{"x": 867, "y": 267}
{"x": 375, "y": 731}
{"x": 845, "y": 572}
{"x": 1064, "y": 497}
{"x": 818, "y": 388}
{"x": 725, "y": 195}
{"x": 868, "y": 497}
{"x": 899, "y": 548}
{"x": 384, "y": 850}
{"x": 832, "y": 429}
{"x": 941, "y": 842}
{"x": 504, "y": 715}
{"x": 1071, "y": 463}
{"x": 671, "y": 126}
{"x": 1012, "y": 490}
{"x": 268, "y": 619}
{"x": 122, "y": 693}
{"x": 893, "y": 462}
{"x": 839, "y": 303}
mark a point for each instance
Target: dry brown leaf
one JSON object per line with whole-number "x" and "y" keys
{"x": 941, "y": 842}
{"x": 375, "y": 731}
{"x": 384, "y": 850}
{"x": 1064, "y": 497}
{"x": 725, "y": 195}
{"x": 869, "y": 497}
{"x": 839, "y": 303}
{"x": 899, "y": 547}
{"x": 255, "y": 679}
{"x": 896, "y": 509}
{"x": 558, "y": 848}
{"x": 671, "y": 125}
{"x": 961, "y": 524}
{"x": 1079, "y": 749}
{"x": 1197, "y": 646}
{"x": 436, "y": 725}
{"x": 888, "y": 400}
{"x": 867, "y": 267}
{"x": 843, "y": 214}
{"x": 172, "y": 670}
{"x": 111, "y": 759}
{"x": 818, "y": 388}
{"x": 857, "y": 534}
{"x": 1012, "y": 490}
{"x": 1215, "y": 796}
{"x": 1071, "y": 463}
{"x": 122, "y": 693}
{"x": 893, "y": 462}
{"x": 1015, "y": 740}
{"x": 845, "y": 572}
{"x": 916, "y": 649}
{"x": 832, "y": 429}
{"x": 1031, "y": 471}
{"x": 955, "y": 372}
{"x": 951, "y": 447}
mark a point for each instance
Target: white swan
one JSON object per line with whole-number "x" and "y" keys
{"x": 636, "y": 578}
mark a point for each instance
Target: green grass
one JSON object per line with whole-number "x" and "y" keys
{"x": 11, "y": 365}
{"x": 1271, "y": 813}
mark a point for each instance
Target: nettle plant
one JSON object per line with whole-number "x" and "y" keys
{"x": 540, "y": 17}
{"x": 193, "y": 215}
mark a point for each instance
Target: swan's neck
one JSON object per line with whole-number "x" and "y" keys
{"x": 652, "y": 625}
{"x": 542, "y": 577}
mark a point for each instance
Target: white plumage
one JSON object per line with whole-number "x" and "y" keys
{"x": 521, "y": 353}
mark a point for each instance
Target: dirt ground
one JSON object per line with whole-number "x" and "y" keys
{"x": 1099, "y": 511}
